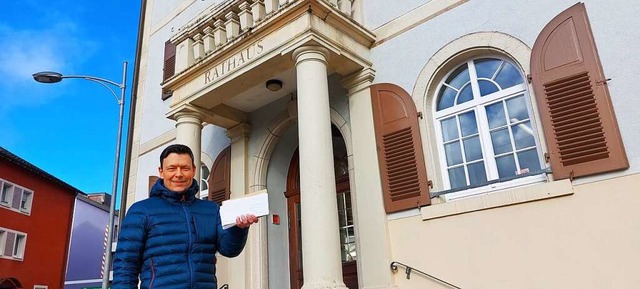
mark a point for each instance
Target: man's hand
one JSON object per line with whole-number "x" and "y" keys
{"x": 245, "y": 221}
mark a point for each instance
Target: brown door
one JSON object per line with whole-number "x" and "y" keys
{"x": 345, "y": 221}
{"x": 293, "y": 209}
{"x": 295, "y": 242}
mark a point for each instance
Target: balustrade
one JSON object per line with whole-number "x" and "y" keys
{"x": 229, "y": 21}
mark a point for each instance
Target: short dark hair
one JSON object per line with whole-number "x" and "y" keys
{"x": 177, "y": 149}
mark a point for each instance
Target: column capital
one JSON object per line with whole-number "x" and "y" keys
{"x": 304, "y": 53}
{"x": 245, "y": 6}
{"x": 208, "y": 30}
{"x": 188, "y": 117}
{"x": 359, "y": 80}
{"x": 239, "y": 132}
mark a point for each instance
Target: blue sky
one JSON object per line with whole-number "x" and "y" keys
{"x": 68, "y": 129}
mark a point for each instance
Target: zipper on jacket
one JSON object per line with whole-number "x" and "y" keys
{"x": 190, "y": 244}
{"x": 153, "y": 275}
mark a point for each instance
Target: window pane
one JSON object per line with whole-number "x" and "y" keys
{"x": 508, "y": 76}
{"x": 487, "y": 87}
{"x": 341, "y": 202}
{"x": 477, "y": 174}
{"x": 517, "y": 109}
{"x": 449, "y": 129}
{"x": 468, "y": 124}
{"x": 506, "y": 166}
{"x": 466, "y": 94}
{"x": 446, "y": 97}
{"x": 472, "y": 149}
{"x": 459, "y": 77}
{"x": 453, "y": 153}
{"x": 486, "y": 67}
{"x": 6, "y": 193}
{"x": 204, "y": 172}
{"x": 342, "y": 218}
{"x": 501, "y": 141}
{"x": 529, "y": 161}
{"x": 523, "y": 135}
{"x": 495, "y": 115}
{"x": 24, "y": 203}
{"x": 457, "y": 178}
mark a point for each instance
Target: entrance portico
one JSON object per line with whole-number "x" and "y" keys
{"x": 221, "y": 69}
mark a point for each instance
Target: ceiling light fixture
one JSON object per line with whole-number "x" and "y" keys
{"x": 274, "y": 84}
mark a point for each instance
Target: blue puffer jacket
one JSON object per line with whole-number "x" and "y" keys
{"x": 171, "y": 241}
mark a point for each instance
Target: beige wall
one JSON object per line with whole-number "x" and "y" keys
{"x": 590, "y": 239}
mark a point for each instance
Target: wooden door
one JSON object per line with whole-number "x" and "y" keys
{"x": 345, "y": 218}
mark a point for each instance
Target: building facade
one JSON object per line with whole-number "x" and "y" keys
{"x": 33, "y": 244}
{"x": 403, "y": 144}
{"x": 88, "y": 241}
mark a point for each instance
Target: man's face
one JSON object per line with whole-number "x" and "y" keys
{"x": 177, "y": 172}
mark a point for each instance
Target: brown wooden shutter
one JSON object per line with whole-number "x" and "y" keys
{"x": 577, "y": 116}
{"x": 152, "y": 181}
{"x": 220, "y": 178}
{"x": 169, "y": 60}
{"x": 402, "y": 169}
{"x": 169, "y": 68}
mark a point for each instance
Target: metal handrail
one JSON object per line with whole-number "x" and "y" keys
{"x": 409, "y": 269}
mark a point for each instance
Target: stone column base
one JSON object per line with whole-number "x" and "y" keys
{"x": 331, "y": 284}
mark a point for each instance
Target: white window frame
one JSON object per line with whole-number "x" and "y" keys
{"x": 25, "y": 206}
{"x": 3, "y": 240}
{"x": 20, "y": 243}
{"x": 16, "y": 191}
{"x": 204, "y": 194}
{"x": 478, "y": 104}
{"x": 6, "y": 196}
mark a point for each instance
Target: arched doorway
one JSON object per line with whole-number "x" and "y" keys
{"x": 345, "y": 216}
{"x": 10, "y": 283}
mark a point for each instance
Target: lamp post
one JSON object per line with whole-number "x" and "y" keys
{"x": 53, "y": 77}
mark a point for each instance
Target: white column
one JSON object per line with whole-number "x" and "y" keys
{"x": 189, "y": 133}
{"x": 270, "y": 6}
{"x": 246, "y": 18}
{"x": 184, "y": 55}
{"x": 257, "y": 11}
{"x": 232, "y": 25}
{"x": 208, "y": 40}
{"x": 219, "y": 33}
{"x": 322, "y": 266}
{"x": 239, "y": 276}
{"x": 198, "y": 46}
{"x": 372, "y": 244}
{"x": 345, "y": 7}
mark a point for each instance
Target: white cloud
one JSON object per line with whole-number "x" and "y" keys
{"x": 60, "y": 47}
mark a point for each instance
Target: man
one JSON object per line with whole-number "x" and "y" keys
{"x": 169, "y": 240}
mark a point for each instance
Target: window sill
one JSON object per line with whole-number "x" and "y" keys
{"x": 23, "y": 212}
{"x": 508, "y": 197}
{"x": 11, "y": 258}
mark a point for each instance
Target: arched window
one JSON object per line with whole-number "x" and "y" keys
{"x": 484, "y": 122}
{"x": 204, "y": 181}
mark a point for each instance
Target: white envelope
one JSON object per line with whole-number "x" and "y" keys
{"x": 256, "y": 203}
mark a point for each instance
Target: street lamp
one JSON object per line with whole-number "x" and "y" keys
{"x": 53, "y": 77}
